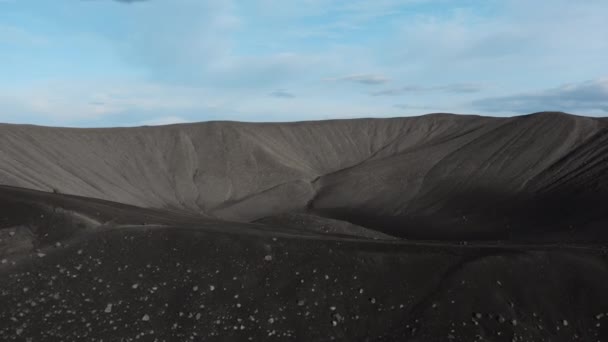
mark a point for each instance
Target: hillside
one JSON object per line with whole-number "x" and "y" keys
{"x": 433, "y": 228}
{"x": 434, "y": 176}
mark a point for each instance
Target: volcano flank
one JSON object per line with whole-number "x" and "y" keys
{"x": 440, "y": 227}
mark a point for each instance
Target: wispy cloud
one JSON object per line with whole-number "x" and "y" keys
{"x": 13, "y": 35}
{"x": 192, "y": 45}
{"x": 73, "y": 100}
{"x": 282, "y": 94}
{"x": 398, "y": 91}
{"x": 585, "y": 96}
{"x": 167, "y": 120}
{"x": 120, "y": 1}
{"x": 462, "y": 88}
{"x": 407, "y": 106}
{"x": 366, "y": 79}
{"x": 450, "y": 88}
{"x": 210, "y": 58}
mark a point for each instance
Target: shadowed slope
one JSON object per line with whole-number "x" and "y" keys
{"x": 64, "y": 280}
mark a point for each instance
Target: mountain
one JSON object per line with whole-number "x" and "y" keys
{"x": 438, "y": 176}
{"x": 434, "y": 228}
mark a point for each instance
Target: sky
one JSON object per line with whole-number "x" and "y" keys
{"x": 100, "y": 63}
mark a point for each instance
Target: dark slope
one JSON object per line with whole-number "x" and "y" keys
{"x": 473, "y": 185}
{"x": 246, "y": 282}
{"x": 31, "y": 221}
{"x": 324, "y": 225}
{"x": 438, "y": 176}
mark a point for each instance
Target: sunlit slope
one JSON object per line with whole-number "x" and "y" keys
{"x": 201, "y": 166}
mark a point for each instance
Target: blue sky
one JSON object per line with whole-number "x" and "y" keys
{"x": 89, "y": 63}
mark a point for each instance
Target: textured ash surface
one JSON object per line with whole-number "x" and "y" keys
{"x": 290, "y": 231}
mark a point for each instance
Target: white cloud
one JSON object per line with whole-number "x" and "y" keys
{"x": 280, "y": 93}
{"x": 130, "y": 1}
{"x": 167, "y": 120}
{"x": 459, "y": 88}
{"x": 76, "y": 102}
{"x": 183, "y": 46}
{"x": 70, "y": 100}
{"x": 13, "y": 35}
{"x": 233, "y": 59}
{"x": 517, "y": 34}
{"x": 589, "y": 96}
{"x": 366, "y": 79}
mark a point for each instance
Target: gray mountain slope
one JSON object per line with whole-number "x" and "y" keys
{"x": 403, "y": 176}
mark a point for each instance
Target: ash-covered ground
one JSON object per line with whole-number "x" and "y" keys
{"x": 432, "y": 228}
